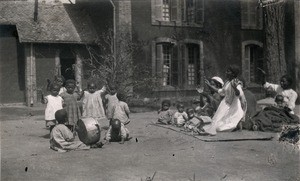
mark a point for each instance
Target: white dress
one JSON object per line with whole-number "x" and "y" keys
{"x": 93, "y": 106}
{"x": 229, "y": 112}
{"x": 54, "y": 103}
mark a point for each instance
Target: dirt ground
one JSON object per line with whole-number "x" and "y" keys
{"x": 25, "y": 155}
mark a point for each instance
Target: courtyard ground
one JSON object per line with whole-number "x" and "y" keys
{"x": 25, "y": 155}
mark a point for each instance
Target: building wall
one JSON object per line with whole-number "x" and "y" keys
{"x": 12, "y": 77}
{"x": 221, "y": 35}
{"x": 45, "y": 66}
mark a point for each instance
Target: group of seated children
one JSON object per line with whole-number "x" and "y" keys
{"x": 190, "y": 120}
{"x": 208, "y": 113}
{"x": 63, "y": 111}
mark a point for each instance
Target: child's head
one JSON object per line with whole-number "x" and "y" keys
{"x": 217, "y": 82}
{"x": 279, "y": 99}
{"x": 180, "y": 107}
{"x": 112, "y": 89}
{"x": 196, "y": 103}
{"x": 190, "y": 112}
{"x": 61, "y": 116}
{"x": 91, "y": 87}
{"x": 286, "y": 82}
{"x": 115, "y": 125}
{"x": 54, "y": 89}
{"x": 59, "y": 79}
{"x": 70, "y": 86}
{"x": 165, "y": 105}
{"x": 121, "y": 96}
{"x": 232, "y": 72}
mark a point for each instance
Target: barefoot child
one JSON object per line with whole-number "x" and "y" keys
{"x": 111, "y": 100}
{"x": 180, "y": 116}
{"x": 70, "y": 104}
{"x": 121, "y": 110}
{"x": 62, "y": 139}
{"x": 92, "y": 103}
{"x": 54, "y": 102}
{"x": 117, "y": 132}
{"x": 165, "y": 114}
{"x": 193, "y": 122}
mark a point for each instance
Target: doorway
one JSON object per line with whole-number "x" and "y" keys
{"x": 67, "y": 64}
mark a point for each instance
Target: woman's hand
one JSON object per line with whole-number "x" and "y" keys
{"x": 207, "y": 82}
{"x": 234, "y": 83}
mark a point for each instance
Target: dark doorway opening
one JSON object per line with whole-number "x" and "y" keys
{"x": 68, "y": 68}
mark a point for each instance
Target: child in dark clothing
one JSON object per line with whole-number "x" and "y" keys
{"x": 116, "y": 132}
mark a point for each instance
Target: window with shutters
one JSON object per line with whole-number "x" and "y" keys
{"x": 192, "y": 62}
{"x": 177, "y": 12}
{"x": 192, "y": 12}
{"x": 251, "y": 15}
{"x": 252, "y": 60}
{"x": 166, "y": 65}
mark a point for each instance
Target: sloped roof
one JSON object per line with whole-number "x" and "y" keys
{"x": 57, "y": 23}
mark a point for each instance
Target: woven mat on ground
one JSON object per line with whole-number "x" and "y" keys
{"x": 224, "y": 136}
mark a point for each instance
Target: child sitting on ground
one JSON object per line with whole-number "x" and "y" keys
{"x": 279, "y": 100}
{"x": 121, "y": 110}
{"x": 54, "y": 102}
{"x": 116, "y": 132}
{"x": 62, "y": 139}
{"x": 165, "y": 114}
{"x": 205, "y": 110}
{"x": 193, "y": 122}
{"x": 180, "y": 116}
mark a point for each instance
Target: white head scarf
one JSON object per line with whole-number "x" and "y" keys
{"x": 218, "y": 79}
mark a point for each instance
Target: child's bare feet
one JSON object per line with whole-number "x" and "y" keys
{"x": 122, "y": 141}
{"x": 97, "y": 145}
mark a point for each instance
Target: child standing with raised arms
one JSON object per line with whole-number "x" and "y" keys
{"x": 54, "y": 102}
{"x": 92, "y": 103}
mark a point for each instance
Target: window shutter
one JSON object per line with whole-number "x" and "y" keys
{"x": 184, "y": 64}
{"x": 159, "y": 59}
{"x": 252, "y": 13}
{"x": 174, "y": 10}
{"x": 174, "y": 68}
{"x": 157, "y": 10}
{"x": 183, "y": 10}
{"x": 198, "y": 63}
{"x": 259, "y": 18}
{"x": 247, "y": 64}
{"x": 199, "y": 6}
{"x": 244, "y": 14}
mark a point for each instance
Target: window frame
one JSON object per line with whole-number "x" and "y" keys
{"x": 158, "y": 61}
{"x": 246, "y": 61}
{"x": 184, "y": 60}
{"x": 178, "y": 8}
{"x": 251, "y": 18}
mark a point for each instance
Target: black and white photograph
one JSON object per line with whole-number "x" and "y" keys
{"x": 150, "y": 90}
